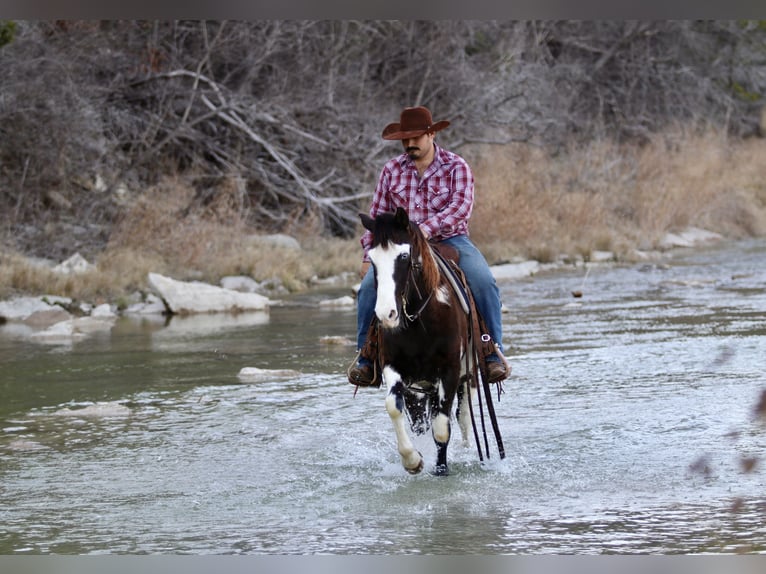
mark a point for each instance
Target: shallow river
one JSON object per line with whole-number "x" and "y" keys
{"x": 629, "y": 425}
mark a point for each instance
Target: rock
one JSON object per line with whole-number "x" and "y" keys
{"x": 60, "y": 333}
{"x": 88, "y": 325}
{"x": 21, "y": 308}
{"x": 345, "y": 301}
{"x": 103, "y": 312}
{"x": 98, "y": 410}
{"x": 70, "y": 330}
{"x": 688, "y": 238}
{"x": 75, "y": 264}
{"x": 601, "y": 256}
{"x": 254, "y": 374}
{"x": 153, "y": 305}
{"x": 334, "y": 281}
{"x": 46, "y": 317}
{"x": 183, "y": 297}
{"x": 240, "y": 283}
{"x": 24, "y": 445}
{"x": 515, "y": 270}
{"x": 274, "y": 240}
{"x": 336, "y": 340}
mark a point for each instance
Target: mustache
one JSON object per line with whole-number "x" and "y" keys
{"x": 412, "y": 148}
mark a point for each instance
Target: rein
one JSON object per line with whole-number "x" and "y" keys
{"x": 411, "y": 278}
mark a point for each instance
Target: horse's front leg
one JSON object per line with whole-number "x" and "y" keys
{"x": 440, "y": 424}
{"x": 412, "y": 460}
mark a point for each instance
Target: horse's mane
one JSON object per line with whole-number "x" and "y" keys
{"x": 430, "y": 270}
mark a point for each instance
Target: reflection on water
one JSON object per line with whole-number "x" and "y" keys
{"x": 628, "y": 426}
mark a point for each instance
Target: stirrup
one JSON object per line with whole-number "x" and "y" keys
{"x": 374, "y": 382}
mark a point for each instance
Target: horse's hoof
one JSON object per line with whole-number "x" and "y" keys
{"x": 416, "y": 469}
{"x": 441, "y": 470}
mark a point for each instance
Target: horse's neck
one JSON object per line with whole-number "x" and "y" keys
{"x": 428, "y": 278}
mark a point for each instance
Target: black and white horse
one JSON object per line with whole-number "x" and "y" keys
{"x": 424, "y": 339}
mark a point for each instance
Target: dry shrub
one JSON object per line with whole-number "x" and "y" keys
{"x": 169, "y": 231}
{"x": 19, "y": 275}
{"x": 606, "y": 196}
{"x": 165, "y": 224}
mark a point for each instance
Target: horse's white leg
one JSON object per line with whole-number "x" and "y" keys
{"x": 440, "y": 422}
{"x": 412, "y": 460}
{"x": 440, "y": 426}
{"x": 465, "y": 396}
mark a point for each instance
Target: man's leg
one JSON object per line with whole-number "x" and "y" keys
{"x": 365, "y": 308}
{"x": 362, "y": 373}
{"x": 485, "y": 292}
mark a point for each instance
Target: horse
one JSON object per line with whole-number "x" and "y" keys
{"x": 425, "y": 343}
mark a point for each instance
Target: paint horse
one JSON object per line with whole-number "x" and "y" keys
{"x": 424, "y": 345}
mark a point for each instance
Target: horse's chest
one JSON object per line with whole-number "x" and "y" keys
{"x": 420, "y": 356}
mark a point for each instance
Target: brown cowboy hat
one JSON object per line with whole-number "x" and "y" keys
{"x": 413, "y": 122}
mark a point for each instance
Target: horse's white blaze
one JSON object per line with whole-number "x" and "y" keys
{"x": 385, "y": 304}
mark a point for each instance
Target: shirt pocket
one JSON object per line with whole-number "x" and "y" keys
{"x": 400, "y": 197}
{"x": 438, "y": 198}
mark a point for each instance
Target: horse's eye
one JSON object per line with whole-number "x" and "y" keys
{"x": 404, "y": 256}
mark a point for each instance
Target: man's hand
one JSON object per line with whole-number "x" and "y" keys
{"x": 364, "y": 269}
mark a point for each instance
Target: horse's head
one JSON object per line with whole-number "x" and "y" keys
{"x": 398, "y": 247}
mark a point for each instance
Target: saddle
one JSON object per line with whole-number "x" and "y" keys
{"x": 447, "y": 258}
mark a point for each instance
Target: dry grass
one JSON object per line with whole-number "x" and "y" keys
{"x": 607, "y": 197}
{"x": 529, "y": 203}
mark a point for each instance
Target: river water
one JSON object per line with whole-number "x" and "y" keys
{"x": 629, "y": 426}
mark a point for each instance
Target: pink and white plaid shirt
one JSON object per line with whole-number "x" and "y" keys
{"x": 441, "y": 201}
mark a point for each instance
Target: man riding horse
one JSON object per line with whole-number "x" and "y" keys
{"x": 436, "y": 188}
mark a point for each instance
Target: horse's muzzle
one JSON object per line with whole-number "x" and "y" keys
{"x": 388, "y": 319}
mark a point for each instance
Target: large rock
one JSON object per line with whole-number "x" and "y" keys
{"x": 75, "y": 329}
{"x": 515, "y": 270}
{"x": 689, "y": 238}
{"x": 182, "y": 297}
{"x": 279, "y": 240}
{"x": 74, "y": 265}
{"x": 151, "y": 305}
{"x": 21, "y": 308}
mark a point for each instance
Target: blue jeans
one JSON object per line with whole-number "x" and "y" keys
{"x": 480, "y": 281}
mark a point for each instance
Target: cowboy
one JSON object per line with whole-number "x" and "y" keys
{"x": 436, "y": 187}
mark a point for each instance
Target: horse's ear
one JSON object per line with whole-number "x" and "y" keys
{"x": 401, "y": 218}
{"x": 367, "y": 221}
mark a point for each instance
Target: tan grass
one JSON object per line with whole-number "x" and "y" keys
{"x": 604, "y": 196}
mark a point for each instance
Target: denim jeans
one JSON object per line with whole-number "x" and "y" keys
{"x": 480, "y": 281}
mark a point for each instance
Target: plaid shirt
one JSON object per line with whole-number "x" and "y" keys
{"x": 441, "y": 201}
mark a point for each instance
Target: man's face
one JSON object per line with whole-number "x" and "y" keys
{"x": 418, "y": 147}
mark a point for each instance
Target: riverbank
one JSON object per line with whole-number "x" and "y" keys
{"x": 52, "y": 319}
{"x": 532, "y": 204}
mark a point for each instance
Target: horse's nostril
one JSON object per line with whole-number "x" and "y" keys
{"x": 392, "y": 314}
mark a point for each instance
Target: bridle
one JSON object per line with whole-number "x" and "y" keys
{"x": 412, "y": 281}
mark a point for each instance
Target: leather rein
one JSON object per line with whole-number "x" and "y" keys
{"x": 412, "y": 281}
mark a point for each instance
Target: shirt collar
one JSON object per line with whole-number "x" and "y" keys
{"x": 405, "y": 161}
